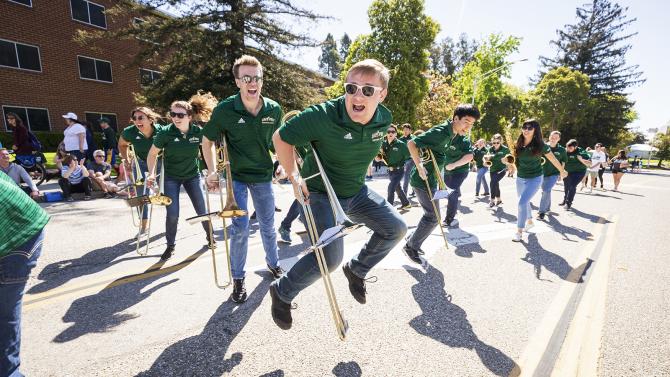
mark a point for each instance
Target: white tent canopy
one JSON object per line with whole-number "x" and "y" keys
{"x": 642, "y": 151}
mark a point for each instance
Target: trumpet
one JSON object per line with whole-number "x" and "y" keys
{"x": 442, "y": 191}
{"x": 229, "y": 209}
{"x": 487, "y": 159}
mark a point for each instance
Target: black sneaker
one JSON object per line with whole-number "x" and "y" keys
{"x": 561, "y": 203}
{"x": 281, "y": 311}
{"x": 412, "y": 254}
{"x": 210, "y": 242}
{"x": 540, "y": 216}
{"x": 568, "y": 206}
{"x": 276, "y": 272}
{"x": 167, "y": 254}
{"x": 486, "y": 194}
{"x": 492, "y": 203}
{"x": 239, "y": 294}
{"x": 356, "y": 284}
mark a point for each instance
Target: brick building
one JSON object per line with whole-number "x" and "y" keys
{"x": 44, "y": 73}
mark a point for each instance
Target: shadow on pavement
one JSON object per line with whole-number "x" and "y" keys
{"x": 58, "y": 273}
{"x": 350, "y": 369}
{"x": 587, "y": 216}
{"x": 448, "y": 324}
{"x": 204, "y": 354}
{"x": 501, "y": 215}
{"x": 100, "y": 312}
{"x": 539, "y": 257}
{"x": 567, "y": 230}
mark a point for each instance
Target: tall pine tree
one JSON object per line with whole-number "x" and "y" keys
{"x": 596, "y": 46}
{"x": 345, "y": 43}
{"x": 329, "y": 61}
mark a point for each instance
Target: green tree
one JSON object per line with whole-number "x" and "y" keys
{"x": 438, "y": 104}
{"x": 400, "y": 39}
{"x": 450, "y": 56}
{"x": 197, "y": 48}
{"x": 662, "y": 142}
{"x": 329, "y": 61}
{"x": 345, "y": 43}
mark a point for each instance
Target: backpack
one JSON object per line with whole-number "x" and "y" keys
{"x": 34, "y": 142}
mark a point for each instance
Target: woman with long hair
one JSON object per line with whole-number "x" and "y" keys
{"x": 619, "y": 165}
{"x": 528, "y": 153}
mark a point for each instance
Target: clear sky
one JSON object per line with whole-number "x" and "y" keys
{"x": 536, "y": 23}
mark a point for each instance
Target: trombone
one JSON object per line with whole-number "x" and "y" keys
{"x": 229, "y": 209}
{"x": 441, "y": 193}
{"x": 133, "y": 183}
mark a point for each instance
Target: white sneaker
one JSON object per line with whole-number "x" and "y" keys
{"x": 529, "y": 225}
{"x": 517, "y": 237}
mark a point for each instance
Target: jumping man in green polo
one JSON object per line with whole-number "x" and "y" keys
{"x": 347, "y": 133}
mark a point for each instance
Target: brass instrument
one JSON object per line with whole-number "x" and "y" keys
{"x": 382, "y": 156}
{"x": 229, "y": 209}
{"x": 487, "y": 159}
{"x": 542, "y": 160}
{"x": 510, "y": 159}
{"x": 442, "y": 191}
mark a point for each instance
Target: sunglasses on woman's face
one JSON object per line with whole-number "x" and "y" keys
{"x": 139, "y": 117}
{"x": 390, "y": 131}
{"x": 496, "y": 143}
{"x": 527, "y": 127}
{"x": 178, "y": 115}
{"x": 367, "y": 90}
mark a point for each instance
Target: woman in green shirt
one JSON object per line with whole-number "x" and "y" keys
{"x": 180, "y": 142}
{"x": 528, "y": 152}
{"x": 498, "y": 168}
{"x": 578, "y": 161}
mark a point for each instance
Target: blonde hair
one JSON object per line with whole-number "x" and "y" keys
{"x": 371, "y": 67}
{"x": 497, "y": 137}
{"x": 245, "y": 60}
{"x": 152, "y": 115}
{"x": 202, "y": 105}
{"x": 184, "y": 105}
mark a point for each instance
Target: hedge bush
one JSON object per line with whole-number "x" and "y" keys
{"x": 49, "y": 140}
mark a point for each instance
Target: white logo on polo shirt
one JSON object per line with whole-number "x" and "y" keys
{"x": 348, "y": 136}
{"x": 241, "y": 121}
{"x": 377, "y": 136}
{"x": 269, "y": 120}
{"x": 176, "y": 139}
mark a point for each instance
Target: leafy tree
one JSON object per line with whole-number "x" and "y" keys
{"x": 449, "y": 56}
{"x": 345, "y": 43}
{"x": 329, "y": 61}
{"x": 439, "y": 103}
{"x": 400, "y": 39}
{"x": 197, "y": 48}
{"x": 662, "y": 142}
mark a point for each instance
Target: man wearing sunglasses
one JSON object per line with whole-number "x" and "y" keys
{"x": 347, "y": 133}
{"x": 395, "y": 153}
{"x": 247, "y": 120}
{"x": 453, "y": 152}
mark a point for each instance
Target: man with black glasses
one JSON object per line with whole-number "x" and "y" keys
{"x": 247, "y": 120}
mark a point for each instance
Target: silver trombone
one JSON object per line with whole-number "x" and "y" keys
{"x": 229, "y": 209}
{"x": 133, "y": 183}
{"x": 441, "y": 193}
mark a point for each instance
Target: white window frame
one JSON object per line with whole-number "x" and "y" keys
{"x": 89, "y": 14}
{"x": 152, "y": 72}
{"x": 96, "y": 69}
{"x": 16, "y": 2}
{"x": 16, "y": 52}
{"x": 4, "y": 113}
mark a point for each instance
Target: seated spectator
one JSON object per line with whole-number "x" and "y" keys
{"x": 17, "y": 173}
{"x": 99, "y": 171}
{"x": 75, "y": 178}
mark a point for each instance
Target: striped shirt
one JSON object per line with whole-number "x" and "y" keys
{"x": 20, "y": 217}
{"x": 77, "y": 175}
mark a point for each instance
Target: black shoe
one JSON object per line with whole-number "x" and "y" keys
{"x": 239, "y": 294}
{"x": 356, "y": 284}
{"x": 486, "y": 194}
{"x": 412, "y": 254}
{"x": 568, "y": 206}
{"x": 561, "y": 203}
{"x": 253, "y": 216}
{"x": 167, "y": 254}
{"x": 540, "y": 216}
{"x": 276, "y": 272}
{"x": 210, "y": 242}
{"x": 281, "y": 311}
{"x": 277, "y": 209}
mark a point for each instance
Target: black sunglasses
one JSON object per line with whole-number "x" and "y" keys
{"x": 528, "y": 127}
{"x": 367, "y": 90}
{"x": 178, "y": 115}
{"x": 247, "y": 79}
{"x": 495, "y": 143}
{"x": 390, "y": 131}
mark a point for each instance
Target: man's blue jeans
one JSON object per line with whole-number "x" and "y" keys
{"x": 264, "y": 204}
{"x": 481, "y": 180}
{"x": 427, "y": 222}
{"x": 526, "y": 188}
{"x": 547, "y": 184}
{"x": 194, "y": 191}
{"x": 570, "y": 185}
{"x": 15, "y": 269}
{"x": 293, "y": 213}
{"x": 406, "y": 175}
{"x": 454, "y": 182}
{"x": 395, "y": 177}
{"x": 365, "y": 207}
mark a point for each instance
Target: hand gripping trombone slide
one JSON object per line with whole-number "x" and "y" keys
{"x": 229, "y": 209}
{"x": 343, "y": 226}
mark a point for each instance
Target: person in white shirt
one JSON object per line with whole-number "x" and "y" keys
{"x": 598, "y": 159}
{"x": 75, "y": 137}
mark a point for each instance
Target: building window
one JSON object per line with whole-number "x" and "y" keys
{"x": 27, "y": 3}
{"x": 94, "y": 69}
{"x": 94, "y": 120}
{"x": 35, "y": 119}
{"x": 19, "y": 55}
{"x": 148, "y": 76}
{"x": 88, "y": 13}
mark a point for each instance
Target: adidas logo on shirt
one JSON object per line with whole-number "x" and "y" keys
{"x": 348, "y": 136}
{"x": 241, "y": 121}
{"x": 137, "y": 137}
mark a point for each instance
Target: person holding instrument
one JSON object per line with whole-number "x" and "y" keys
{"x": 481, "y": 150}
{"x": 446, "y": 141}
{"x": 394, "y": 152}
{"x": 247, "y": 120}
{"x": 551, "y": 174}
{"x": 347, "y": 133}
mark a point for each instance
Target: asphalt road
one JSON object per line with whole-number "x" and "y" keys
{"x": 586, "y": 293}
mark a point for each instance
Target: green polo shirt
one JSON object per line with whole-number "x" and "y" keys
{"x": 405, "y": 139}
{"x": 249, "y": 137}
{"x": 181, "y": 151}
{"x": 496, "y": 161}
{"x": 529, "y": 165}
{"x": 21, "y": 218}
{"x": 345, "y": 148}
{"x": 573, "y": 165}
{"x": 561, "y": 155}
{"x": 478, "y": 155}
{"x": 395, "y": 153}
{"x": 140, "y": 143}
